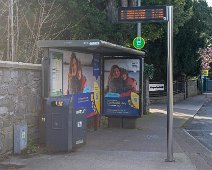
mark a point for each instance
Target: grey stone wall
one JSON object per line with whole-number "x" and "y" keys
{"x": 20, "y": 100}
{"x": 192, "y": 89}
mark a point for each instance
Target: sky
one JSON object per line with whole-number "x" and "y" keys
{"x": 209, "y": 2}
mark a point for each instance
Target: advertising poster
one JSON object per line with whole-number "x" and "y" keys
{"x": 77, "y": 78}
{"x": 121, "y": 87}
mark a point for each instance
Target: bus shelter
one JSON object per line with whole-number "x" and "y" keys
{"x": 105, "y": 77}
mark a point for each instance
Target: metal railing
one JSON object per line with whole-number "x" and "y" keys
{"x": 178, "y": 87}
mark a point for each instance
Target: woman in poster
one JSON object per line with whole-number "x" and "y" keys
{"x": 115, "y": 80}
{"x": 73, "y": 81}
{"x": 81, "y": 77}
{"x": 76, "y": 79}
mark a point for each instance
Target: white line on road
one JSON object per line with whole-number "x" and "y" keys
{"x": 199, "y": 130}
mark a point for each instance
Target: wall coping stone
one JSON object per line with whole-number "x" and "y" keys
{"x": 20, "y": 65}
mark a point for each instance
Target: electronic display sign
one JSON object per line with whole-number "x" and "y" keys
{"x": 142, "y": 14}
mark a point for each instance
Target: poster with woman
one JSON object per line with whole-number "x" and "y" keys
{"x": 121, "y": 87}
{"x": 73, "y": 75}
{"x": 79, "y": 79}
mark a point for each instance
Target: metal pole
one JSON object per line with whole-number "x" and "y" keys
{"x": 202, "y": 84}
{"x": 170, "y": 86}
{"x": 139, "y": 24}
{"x": 206, "y": 81}
{"x": 142, "y": 71}
{"x": 206, "y": 85}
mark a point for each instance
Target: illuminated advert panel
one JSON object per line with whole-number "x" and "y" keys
{"x": 78, "y": 75}
{"x": 122, "y": 95}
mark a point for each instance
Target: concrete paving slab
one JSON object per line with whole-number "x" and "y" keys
{"x": 105, "y": 160}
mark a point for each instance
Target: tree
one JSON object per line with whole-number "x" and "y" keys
{"x": 205, "y": 57}
{"x": 33, "y": 20}
{"x": 187, "y": 41}
{"x": 80, "y": 19}
{"x": 4, "y": 19}
{"x": 190, "y": 38}
{"x": 92, "y": 20}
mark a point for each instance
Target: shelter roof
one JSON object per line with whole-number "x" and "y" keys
{"x": 91, "y": 46}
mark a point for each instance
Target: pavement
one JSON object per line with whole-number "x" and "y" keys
{"x": 143, "y": 148}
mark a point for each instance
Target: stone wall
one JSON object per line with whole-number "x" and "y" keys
{"x": 20, "y": 100}
{"x": 192, "y": 89}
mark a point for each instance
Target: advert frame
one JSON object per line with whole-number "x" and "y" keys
{"x": 141, "y": 65}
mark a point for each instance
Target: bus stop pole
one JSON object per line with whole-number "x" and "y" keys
{"x": 139, "y": 24}
{"x": 170, "y": 85}
{"x": 142, "y": 71}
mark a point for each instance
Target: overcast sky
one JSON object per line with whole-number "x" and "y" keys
{"x": 209, "y": 2}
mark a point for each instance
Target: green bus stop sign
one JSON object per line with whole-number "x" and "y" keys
{"x": 138, "y": 42}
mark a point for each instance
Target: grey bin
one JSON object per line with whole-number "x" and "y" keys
{"x": 65, "y": 126}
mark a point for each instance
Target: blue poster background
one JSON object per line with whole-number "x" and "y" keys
{"x": 119, "y": 106}
{"x": 84, "y": 100}
{"x": 96, "y": 66}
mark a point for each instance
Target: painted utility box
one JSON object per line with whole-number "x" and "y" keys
{"x": 20, "y": 137}
{"x": 65, "y": 123}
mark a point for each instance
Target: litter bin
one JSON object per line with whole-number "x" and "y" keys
{"x": 65, "y": 125}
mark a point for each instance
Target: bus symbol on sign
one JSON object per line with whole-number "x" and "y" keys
{"x": 138, "y": 42}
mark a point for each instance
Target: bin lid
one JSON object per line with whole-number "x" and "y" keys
{"x": 93, "y": 46}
